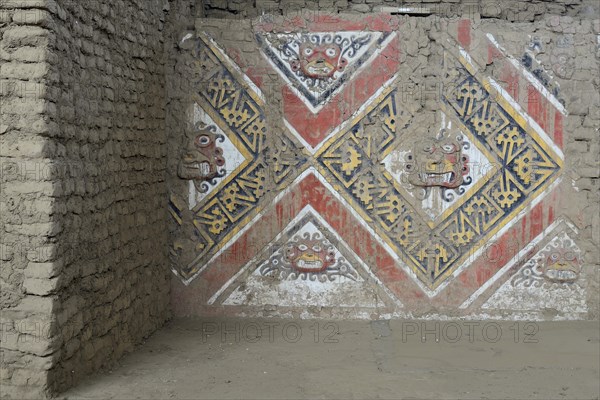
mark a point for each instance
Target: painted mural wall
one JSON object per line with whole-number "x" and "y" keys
{"x": 373, "y": 166}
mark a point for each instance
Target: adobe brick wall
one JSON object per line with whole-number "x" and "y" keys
{"x": 510, "y": 10}
{"x": 84, "y": 262}
{"x": 30, "y": 189}
{"x": 110, "y": 115}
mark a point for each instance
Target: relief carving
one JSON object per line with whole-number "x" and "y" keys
{"x": 202, "y": 160}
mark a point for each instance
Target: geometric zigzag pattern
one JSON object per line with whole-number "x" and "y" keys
{"x": 351, "y": 162}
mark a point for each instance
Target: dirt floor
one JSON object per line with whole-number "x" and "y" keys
{"x": 231, "y": 359}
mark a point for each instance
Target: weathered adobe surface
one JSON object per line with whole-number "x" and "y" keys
{"x": 511, "y": 10}
{"x": 30, "y": 188}
{"x": 84, "y": 275}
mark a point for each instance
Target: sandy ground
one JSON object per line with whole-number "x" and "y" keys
{"x": 211, "y": 359}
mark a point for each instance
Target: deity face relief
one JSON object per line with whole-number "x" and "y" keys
{"x": 437, "y": 162}
{"x": 319, "y": 61}
{"x": 562, "y": 265}
{"x": 310, "y": 256}
{"x": 202, "y": 157}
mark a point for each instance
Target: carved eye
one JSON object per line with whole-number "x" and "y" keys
{"x": 448, "y": 148}
{"x": 302, "y": 247}
{"x": 554, "y": 256}
{"x": 308, "y": 51}
{"x": 203, "y": 140}
{"x": 569, "y": 256}
{"x": 316, "y": 248}
{"x": 331, "y": 52}
{"x": 428, "y": 149}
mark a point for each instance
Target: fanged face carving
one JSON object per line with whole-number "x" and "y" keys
{"x": 319, "y": 61}
{"x": 562, "y": 265}
{"x": 202, "y": 157}
{"x": 310, "y": 256}
{"x": 437, "y": 162}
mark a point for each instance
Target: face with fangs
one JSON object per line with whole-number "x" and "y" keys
{"x": 562, "y": 265}
{"x": 202, "y": 157}
{"x": 319, "y": 61}
{"x": 437, "y": 162}
{"x": 310, "y": 256}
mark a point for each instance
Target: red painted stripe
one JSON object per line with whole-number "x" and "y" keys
{"x": 493, "y": 53}
{"x": 558, "y": 129}
{"x": 543, "y": 120}
{"x": 510, "y": 81}
{"x": 256, "y": 74}
{"x": 551, "y": 207}
{"x": 464, "y": 33}
{"x": 497, "y": 254}
{"x": 534, "y": 106}
{"x": 538, "y": 107}
{"x": 537, "y": 220}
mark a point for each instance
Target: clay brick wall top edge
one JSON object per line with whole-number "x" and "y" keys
{"x": 511, "y": 10}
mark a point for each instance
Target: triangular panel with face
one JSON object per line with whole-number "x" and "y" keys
{"x": 318, "y": 64}
{"x": 548, "y": 281}
{"x": 307, "y": 265}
